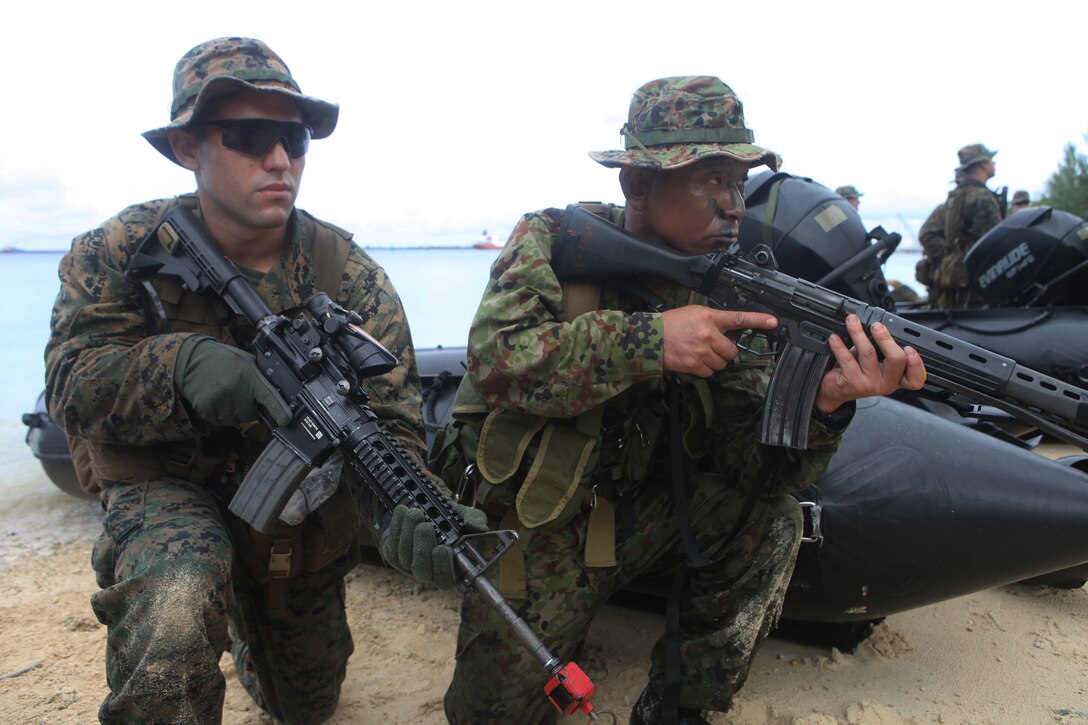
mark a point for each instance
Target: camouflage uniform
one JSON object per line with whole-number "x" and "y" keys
{"x": 181, "y": 578}
{"x": 849, "y": 192}
{"x": 970, "y": 211}
{"x": 526, "y": 359}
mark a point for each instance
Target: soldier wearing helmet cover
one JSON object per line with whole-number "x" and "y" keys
{"x": 167, "y": 406}
{"x": 569, "y": 410}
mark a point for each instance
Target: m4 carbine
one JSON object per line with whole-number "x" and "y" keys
{"x": 589, "y": 248}
{"x": 317, "y": 362}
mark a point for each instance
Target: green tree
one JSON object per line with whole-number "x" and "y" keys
{"x": 1067, "y": 188}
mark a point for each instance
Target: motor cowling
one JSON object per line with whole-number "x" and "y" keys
{"x": 1036, "y": 257}
{"x": 812, "y": 232}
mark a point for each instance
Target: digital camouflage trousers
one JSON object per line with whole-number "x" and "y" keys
{"x": 726, "y": 610}
{"x": 174, "y": 598}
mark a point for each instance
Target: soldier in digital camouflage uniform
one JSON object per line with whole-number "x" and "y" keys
{"x": 851, "y": 194}
{"x": 563, "y": 413}
{"x": 969, "y": 212}
{"x": 167, "y": 405}
{"x": 1020, "y": 200}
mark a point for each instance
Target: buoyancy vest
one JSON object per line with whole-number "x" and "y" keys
{"x": 182, "y": 310}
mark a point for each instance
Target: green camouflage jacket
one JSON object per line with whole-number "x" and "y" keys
{"x": 522, "y": 357}
{"x": 109, "y": 368}
{"x": 971, "y": 211}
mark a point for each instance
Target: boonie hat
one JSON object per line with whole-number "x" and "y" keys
{"x": 673, "y": 122}
{"x": 1021, "y": 197}
{"x": 973, "y": 154}
{"x": 848, "y": 192}
{"x": 225, "y": 65}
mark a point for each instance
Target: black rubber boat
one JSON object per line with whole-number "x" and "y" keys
{"x": 921, "y": 503}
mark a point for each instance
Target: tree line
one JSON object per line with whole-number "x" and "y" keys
{"x": 1067, "y": 188}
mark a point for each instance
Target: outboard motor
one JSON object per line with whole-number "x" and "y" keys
{"x": 1036, "y": 257}
{"x": 816, "y": 235}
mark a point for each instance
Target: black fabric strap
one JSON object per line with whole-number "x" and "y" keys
{"x": 770, "y": 469}
{"x": 679, "y": 480}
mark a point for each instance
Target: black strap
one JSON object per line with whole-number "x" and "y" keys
{"x": 770, "y": 469}
{"x": 679, "y": 480}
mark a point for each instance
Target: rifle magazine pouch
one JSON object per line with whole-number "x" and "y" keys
{"x": 555, "y": 475}
{"x": 330, "y": 531}
{"x": 601, "y": 534}
{"x": 511, "y": 579}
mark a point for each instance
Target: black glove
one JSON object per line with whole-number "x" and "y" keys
{"x": 223, "y": 386}
{"x": 411, "y": 545}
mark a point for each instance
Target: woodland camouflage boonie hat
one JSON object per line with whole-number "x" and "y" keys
{"x": 677, "y": 121}
{"x": 848, "y": 192}
{"x": 973, "y": 154}
{"x": 225, "y": 65}
{"x": 1021, "y": 197}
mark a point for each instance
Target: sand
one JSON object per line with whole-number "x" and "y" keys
{"x": 1017, "y": 654}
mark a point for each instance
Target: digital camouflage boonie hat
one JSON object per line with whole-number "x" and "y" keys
{"x": 677, "y": 121}
{"x": 849, "y": 192}
{"x": 973, "y": 154}
{"x": 225, "y": 65}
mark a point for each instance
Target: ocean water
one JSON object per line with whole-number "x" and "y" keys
{"x": 440, "y": 289}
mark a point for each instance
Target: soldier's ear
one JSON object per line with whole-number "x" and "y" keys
{"x": 636, "y": 184}
{"x": 184, "y": 143}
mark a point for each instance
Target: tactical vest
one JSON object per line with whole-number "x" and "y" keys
{"x": 563, "y": 465}
{"x": 182, "y": 310}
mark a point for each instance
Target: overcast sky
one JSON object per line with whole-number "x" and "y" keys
{"x": 457, "y": 117}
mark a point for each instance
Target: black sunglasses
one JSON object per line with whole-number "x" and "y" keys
{"x": 258, "y": 136}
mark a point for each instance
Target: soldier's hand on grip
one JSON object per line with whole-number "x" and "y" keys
{"x": 223, "y": 386}
{"x": 696, "y": 341}
{"x": 861, "y": 372}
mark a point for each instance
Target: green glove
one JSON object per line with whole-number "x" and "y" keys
{"x": 410, "y": 544}
{"x": 223, "y": 386}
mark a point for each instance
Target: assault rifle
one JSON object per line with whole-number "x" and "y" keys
{"x": 590, "y": 248}
{"x": 317, "y": 363}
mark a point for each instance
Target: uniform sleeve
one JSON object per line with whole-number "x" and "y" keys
{"x": 395, "y": 397}
{"x": 106, "y": 379}
{"x": 739, "y": 396}
{"x": 522, "y": 357}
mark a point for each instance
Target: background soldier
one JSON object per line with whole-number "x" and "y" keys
{"x": 851, "y": 194}
{"x": 969, "y": 212}
{"x": 168, "y": 407}
{"x": 563, "y": 411}
{"x": 1020, "y": 200}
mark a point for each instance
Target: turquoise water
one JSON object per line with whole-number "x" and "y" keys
{"x": 440, "y": 289}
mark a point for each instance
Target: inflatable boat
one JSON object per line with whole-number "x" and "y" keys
{"x": 922, "y": 502}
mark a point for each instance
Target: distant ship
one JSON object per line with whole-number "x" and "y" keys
{"x": 486, "y": 241}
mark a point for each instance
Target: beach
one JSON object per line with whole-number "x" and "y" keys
{"x": 1016, "y": 654}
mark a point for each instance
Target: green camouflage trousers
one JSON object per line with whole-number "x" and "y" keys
{"x": 727, "y": 608}
{"x": 170, "y": 585}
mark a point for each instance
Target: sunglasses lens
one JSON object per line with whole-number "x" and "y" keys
{"x": 257, "y": 137}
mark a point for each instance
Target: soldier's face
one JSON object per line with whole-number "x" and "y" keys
{"x": 698, "y": 208}
{"x": 255, "y": 191}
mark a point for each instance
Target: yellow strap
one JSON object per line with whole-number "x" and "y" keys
{"x": 512, "y": 564}
{"x": 601, "y": 534}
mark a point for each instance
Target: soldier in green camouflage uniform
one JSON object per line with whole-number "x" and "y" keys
{"x": 564, "y": 414}
{"x": 851, "y": 194}
{"x": 970, "y": 211}
{"x": 168, "y": 403}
